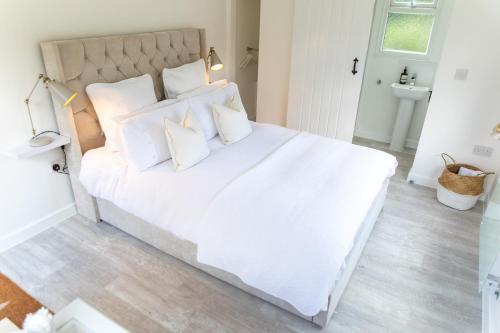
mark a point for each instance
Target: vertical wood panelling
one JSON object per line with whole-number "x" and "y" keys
{"x": 322, "y": 49}
{"x": 357, "y": 46}
{"x": 298, "y": 63}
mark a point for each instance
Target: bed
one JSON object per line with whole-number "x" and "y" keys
{"x": 270, "y": 183}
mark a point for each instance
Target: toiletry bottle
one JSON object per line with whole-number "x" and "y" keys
{"x": 413, "y": 79}
{"x": 404, "y": 76}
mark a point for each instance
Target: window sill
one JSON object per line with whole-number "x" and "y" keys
{"x": 406, "y": 56}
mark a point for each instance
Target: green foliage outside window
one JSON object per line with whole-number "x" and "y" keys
{"x": 408, "y": 32}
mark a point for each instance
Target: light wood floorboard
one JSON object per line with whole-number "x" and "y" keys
{"x": 418, "y": 273}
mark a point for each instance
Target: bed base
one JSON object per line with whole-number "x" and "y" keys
{"x": 186, "y": 251}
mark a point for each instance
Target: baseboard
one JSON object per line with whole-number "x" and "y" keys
{"x": 410, "y": 143}
{"x": 36, "y": 227}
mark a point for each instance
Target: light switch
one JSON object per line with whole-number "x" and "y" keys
{"x": 461, "y": 74}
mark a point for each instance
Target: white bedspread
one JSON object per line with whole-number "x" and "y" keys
{"x": 278, "y": 209}
{"x": 286, "y": 226}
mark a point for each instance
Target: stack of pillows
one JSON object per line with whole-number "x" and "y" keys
{"x": 147, "y": 132}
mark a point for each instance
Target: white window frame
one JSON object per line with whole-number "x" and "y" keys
{"x": 413, "y": 4}
{"x": 392, "y": 6}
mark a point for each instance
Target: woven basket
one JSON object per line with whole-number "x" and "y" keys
{"x": 466, "y": 185}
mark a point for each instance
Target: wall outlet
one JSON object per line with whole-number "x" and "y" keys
{"x": 461, "y": 74}
{"x": 57, "y": 165}
{"x": 482, "y": 151}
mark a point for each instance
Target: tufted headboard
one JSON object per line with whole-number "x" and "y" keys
{"x": 80, "y": 62}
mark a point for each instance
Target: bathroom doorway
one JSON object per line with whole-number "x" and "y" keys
{"x": 405, "y": 34}
{"x": 246, "y": 51}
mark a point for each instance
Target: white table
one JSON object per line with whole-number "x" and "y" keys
{"x": 79, "y": 317}
{"x": 6, "y": 326}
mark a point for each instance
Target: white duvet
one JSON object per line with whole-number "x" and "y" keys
{"x": 278, "y": 209}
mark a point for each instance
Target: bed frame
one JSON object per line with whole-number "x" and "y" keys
{"x": 79, "y": 62}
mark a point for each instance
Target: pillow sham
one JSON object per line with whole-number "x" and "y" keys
{"x": 186, "y": 142}
{"x": 142, "y": 136}
{"x": 166, "y": 102}
{"x": 185, "y": 78}
{"x": 120, "y": 98}
{"x": 202, "y": 106}
{"x": 231, "y": 121}
{"x": 211, "y": 87}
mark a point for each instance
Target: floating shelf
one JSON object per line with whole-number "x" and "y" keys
{"x": 26, "y": 151}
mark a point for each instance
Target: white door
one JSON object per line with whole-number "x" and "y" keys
{"x": 328, "y": 35}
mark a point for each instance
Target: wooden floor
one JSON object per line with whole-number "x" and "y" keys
{"x": 418, "y": 273}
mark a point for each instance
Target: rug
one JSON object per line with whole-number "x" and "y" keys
{"x": 15, "y": 303}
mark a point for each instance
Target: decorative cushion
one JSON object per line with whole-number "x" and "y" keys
{"x": 202, "y": 106}
{"x": 186, "y": 142}
{"x": 231, "y": 121}
{"x": 120, "y": 98}
{"x": 142, "y": 136}
{"x": 185, "y": 78}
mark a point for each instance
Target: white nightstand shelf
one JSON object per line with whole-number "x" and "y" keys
{"x": 26, "y": 151}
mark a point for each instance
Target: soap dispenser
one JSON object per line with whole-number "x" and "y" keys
{"x": 403, "y": 79}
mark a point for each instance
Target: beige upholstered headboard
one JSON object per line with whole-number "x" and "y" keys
{"x": 80, "y": 62}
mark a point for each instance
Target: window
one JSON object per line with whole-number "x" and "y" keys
{"x": 409, "y": 26}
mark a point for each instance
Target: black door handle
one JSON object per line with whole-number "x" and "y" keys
{"x": 354, "y": 70}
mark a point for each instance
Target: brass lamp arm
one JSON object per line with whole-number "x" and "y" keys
{"x": 41, "y": 77}
{"x": 45, "y": 79}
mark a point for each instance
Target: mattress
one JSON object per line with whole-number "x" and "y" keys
{"x": 280, "y": 209}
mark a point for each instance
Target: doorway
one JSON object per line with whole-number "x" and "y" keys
{"x": 246, "y": 25}
{"x": 405, "y": 48}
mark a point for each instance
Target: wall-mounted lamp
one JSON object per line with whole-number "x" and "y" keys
{"x": 61, "y": 92}
{"x": 496, "y": 132}
{"x": 214, "y": 62}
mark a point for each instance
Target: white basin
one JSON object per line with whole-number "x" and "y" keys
{"x": 408, "y": 95}
{"x": 409, "y": 92}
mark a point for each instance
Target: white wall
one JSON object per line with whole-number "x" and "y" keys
{"x": 378, "y": 107}
{"x": 31, "y": 196}
{"x": 247, "y": 34}
{"x": 463, "y": 113}
{"x": 276, "y": 26}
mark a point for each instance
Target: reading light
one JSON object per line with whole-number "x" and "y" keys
{"x": 214, "y": 61}
{"x": 61, "y": 92}
{"x": 496, "y": 132}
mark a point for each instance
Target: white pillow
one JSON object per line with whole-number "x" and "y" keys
{"x": 186, "y": 142}
{"x": 185, "y": 78}
{"x": 231, "y": 121}
{"x": 166, "y": 102}
{"x": 143, "y": 141}
{"x": 120, "y": 98}
{"x": 202, "y": 106}
{"x": 203, "y": 89}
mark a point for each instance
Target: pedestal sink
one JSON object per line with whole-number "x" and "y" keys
{"x": 408, "y": 95}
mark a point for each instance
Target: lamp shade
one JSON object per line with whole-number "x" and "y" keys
{"x": 61, "y": 92}
{"x": 214, "y": 60}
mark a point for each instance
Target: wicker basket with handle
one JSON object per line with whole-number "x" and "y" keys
{"x": 466, "y": 185}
